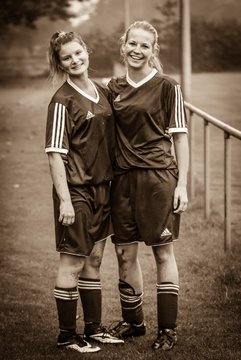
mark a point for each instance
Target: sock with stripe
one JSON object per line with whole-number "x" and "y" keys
{"x": 66, "y": 301}
{"x": 131, "y": 304}
{"x": 91, "y": 299}
{"x": 167, "y": 305}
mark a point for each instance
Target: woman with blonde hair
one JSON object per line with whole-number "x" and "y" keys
{"x": 149, "y": 191}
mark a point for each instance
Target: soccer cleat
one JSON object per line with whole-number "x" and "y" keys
{"x": 101, "y": 334}
{"x": 75, "y": 342}
{"x": 125, "y": 330}
{"x": 166, "y": 339}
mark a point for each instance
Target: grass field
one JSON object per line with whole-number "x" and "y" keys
{"x": 210, "y": 296}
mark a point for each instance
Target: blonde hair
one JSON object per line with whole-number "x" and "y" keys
{"x": 58, "y": 39}
{"x": 145, "y": 25}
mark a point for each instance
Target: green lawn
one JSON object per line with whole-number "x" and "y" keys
{"x": 210, "y": 291}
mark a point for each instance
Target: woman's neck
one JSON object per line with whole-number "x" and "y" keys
{"x": 84, "y": 84}
{"x": 137, "y": 75}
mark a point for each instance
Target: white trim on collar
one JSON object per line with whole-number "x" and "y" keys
{"x": 143, "y": 81}
{"x": 77, "y": 88}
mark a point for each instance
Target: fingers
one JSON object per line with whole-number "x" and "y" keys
{"x": 180, "y": 206}
{"x": 67, "y": 219}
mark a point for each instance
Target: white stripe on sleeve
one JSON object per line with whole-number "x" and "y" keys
{"x": 179, "y": 108}
{"x": 58, "y": 126}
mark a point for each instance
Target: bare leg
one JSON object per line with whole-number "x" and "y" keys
{"x": 129, "y": 266}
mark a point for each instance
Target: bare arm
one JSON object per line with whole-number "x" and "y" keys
{"x": 58, "y": 174}
{"x": 182, "y": 156}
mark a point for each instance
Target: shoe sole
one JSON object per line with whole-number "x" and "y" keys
{"x": 75, "y": 347}
{"x": 104, "y": 340}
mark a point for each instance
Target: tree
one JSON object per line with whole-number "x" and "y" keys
{"x": 26, "y": 12}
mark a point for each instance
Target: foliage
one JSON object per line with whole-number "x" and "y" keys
{"x": 26, "y": 12}
{"x": 216, "y": 45}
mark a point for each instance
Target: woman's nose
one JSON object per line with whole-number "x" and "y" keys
{"x": 75, "y": 59}
{"x": 137, "y": 48}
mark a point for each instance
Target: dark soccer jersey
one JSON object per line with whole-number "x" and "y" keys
{"x": 146, "y": 115}
{"x": 81, "y": 129}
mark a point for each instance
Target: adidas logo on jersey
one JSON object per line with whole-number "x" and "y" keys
{"x": 166, "y": 232}
{"x": 89, "y": 115}
{"x": 117, "y": 98}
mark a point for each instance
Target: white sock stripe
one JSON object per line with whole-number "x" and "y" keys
{"x": 89, "y": 285}
{"x": 66, "y": 295}
{"x": 132, "y": 298}
{"x": 89, "y": 288}
{"x": 87, "y": 282}
{"x": 167, "y": 292}
{"x": 130, "y": 301}
{"x": 167, "y": 286}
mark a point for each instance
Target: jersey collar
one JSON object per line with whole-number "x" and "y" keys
{"x": 143, "y": 81}
{"x": 95, "y": 100}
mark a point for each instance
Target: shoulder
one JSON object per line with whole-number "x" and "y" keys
{"x": 62, "y": 95}
{"x": 117, "y": 83}
{"x": 167, "y": 81}
{"x": 101, "y": 86}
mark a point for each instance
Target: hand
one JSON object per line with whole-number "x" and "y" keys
{"x": 180, "y": 199}
{"x": 67, "y": 214}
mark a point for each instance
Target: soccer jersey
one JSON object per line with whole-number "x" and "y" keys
{"x": 146, "y": 115}
{"x": 81, "y": 129}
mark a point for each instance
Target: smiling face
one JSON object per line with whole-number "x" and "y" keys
{"x": 73, "y": 58}
{"x": 138, "y": 48}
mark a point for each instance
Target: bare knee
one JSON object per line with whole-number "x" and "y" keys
{"x": 69, "y": 269}
{"x": 163, "y": 254}
{"x": 126, "y": 254}
{"x": 93, "y": 262}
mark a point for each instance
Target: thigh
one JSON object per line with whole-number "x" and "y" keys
{"x": 75, "y": 239}
{"x": 124, "y": 224}
{"x": 92, "y": 265}
{"x": 153, "y": 193}
{"x": 101, "y": 224}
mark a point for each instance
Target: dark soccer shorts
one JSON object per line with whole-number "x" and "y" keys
{"x": 142, "y": 207}
{"x": 92, "y": 219}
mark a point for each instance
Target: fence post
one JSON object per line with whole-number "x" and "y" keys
{"x": 191, "y": 180}
{"x": 227, "y": 191}
{"x": 206, "y": 169}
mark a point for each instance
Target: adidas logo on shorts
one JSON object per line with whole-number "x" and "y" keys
{"x": 89, "y": 115}
{"x": 166, "y": 232}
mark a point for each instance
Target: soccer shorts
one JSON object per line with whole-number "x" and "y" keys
{"x": 92, "y": 219}
{"x": 142, "y": 207}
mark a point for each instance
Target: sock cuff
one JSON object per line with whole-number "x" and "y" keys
{"x": 66, "y": 294}
{"x": 89, "y": 284}
{"x": 167, "y": 288}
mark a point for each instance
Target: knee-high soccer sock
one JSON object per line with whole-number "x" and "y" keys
{"x": 131, "y": 304}
{"x": 167, "y": 305}
{"x": 66, "y": 301}
{"x": 91, "y": 298}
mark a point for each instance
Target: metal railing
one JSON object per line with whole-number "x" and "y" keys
{"x": 228, "y": 132}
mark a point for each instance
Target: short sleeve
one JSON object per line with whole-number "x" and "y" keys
{"x": 56, "y": 134}
{"x": 175, "y": 110}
